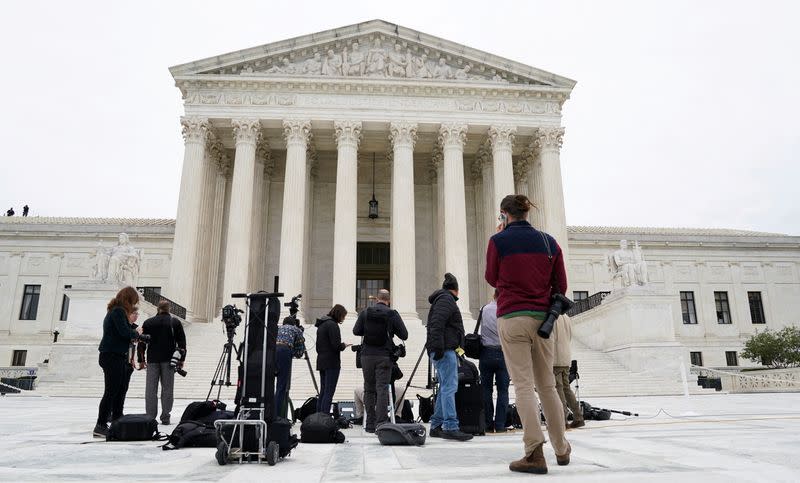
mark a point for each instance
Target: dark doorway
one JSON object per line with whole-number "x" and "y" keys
{"x": 372, "y": 272}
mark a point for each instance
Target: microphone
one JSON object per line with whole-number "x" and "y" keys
{"x": 238, "y": 295}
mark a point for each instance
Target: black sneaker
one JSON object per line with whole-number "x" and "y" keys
{"x": 357, "y": 421}
{"x": 435, "y": 432}
{"x": 456, "y": 435}
{"x": 100, "y": 431}
{"x": 500, "y": 430}
{"x": 369, "y": 430}
{"x": 165, "y": 422}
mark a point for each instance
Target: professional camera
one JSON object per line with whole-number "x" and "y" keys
{"x": 294, "y": 305}
{"x": 559, "y": 306}
{"x": 231, "y": 319}
{"x": 176, "y": 364}
{"x": 143, "y": 338}
{"x": 398, "y": 351}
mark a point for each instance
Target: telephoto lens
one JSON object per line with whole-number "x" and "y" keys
{"x": 175, "y": 363}
{"x": 560, "y": 305}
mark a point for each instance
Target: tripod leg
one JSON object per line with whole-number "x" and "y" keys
{"x": 411, "y": 377}
{"x": 215, "y": 381}
{"x": 311, "y": 371}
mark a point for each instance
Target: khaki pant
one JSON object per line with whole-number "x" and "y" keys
{"x": 565, "y": 392}
{"x": 530, "y": 364}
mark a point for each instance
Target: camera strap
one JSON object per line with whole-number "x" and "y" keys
{"x": 478, "y": 323}
{"x": 547, "y": 246}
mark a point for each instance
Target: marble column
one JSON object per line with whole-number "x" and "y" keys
{"x": 437, "y": 168}
{"x": 502, "y": 139}
{"x": 549, "y": 141}
{"x": 292, "y": 264}
{"x": 345, "y": 229}
{"x": 240, "y": 213}
{"x": 452, "y": 137}
{"x": 257, "y": 254}
{"x": 476, "y": 170}
{"x": 521, "y": 168}
{"x": 403, "y": 136}
{"x": 312, "y": 161}
{"x": 265, "y": 154}
{"x": 223, "y": 168}
{"x": 184, "y": 245}
{"x": 200, "y": 282}
{"x": 535, "y": 186}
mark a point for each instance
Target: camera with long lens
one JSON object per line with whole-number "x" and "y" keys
{"x": 559, "y": 306}
{"x": 175, "y": 363}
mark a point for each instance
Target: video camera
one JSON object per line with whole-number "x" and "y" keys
{"x": 231, "y": 319}
{"x": 294, "y": 307}
{"x": 559, "y": 306}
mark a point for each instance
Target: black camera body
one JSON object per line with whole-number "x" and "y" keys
{"x": 175, "y": 362}
{"x": 559, "y": 306}
{"x": 294, "y": 304}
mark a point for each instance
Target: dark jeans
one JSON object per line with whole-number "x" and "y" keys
{"x": 116, "y": 377}
{"x": 328, "y": 378}
{"x": 284, "y": 363}
{"x": 493, "y": 366}
{"x": 377, "y": 377}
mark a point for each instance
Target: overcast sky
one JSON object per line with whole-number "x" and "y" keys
{"x": 685, "y": 113}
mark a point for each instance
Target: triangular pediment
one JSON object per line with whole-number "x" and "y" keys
{"x": 372, "y": 50}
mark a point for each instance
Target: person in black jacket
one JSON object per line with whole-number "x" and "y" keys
{"x": 445, "y": 333}
{"x": 329, "y": 359}
{"x": 117, "y": 336}
{"x": 378, "y": 325}
{"x": 166, "y": 336}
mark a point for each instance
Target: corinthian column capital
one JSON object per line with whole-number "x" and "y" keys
{"x": 194, "y": 129}
{"x": 246, "y": 130}
{"x": 347, "y": 133}
{"x": 549, "y": 137}
{"x": 452, "y": 135}
{"x": 403, "y": 133}
{"x": 484, "y": 154}
{"x": 264, "y": 156}
{"x": 502, "y": 137}
{"x": 521, "y": 168}
{"x": 297, "y": 131}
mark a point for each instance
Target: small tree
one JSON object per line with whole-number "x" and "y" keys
{"x": 774, "y": 349}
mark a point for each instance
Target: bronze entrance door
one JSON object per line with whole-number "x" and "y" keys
{"x": 372, "y": 272}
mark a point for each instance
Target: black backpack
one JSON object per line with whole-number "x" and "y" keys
{"x": 133, "y": 427}
{"x": 512, "y": 417}
{"x": 307, "y": 409}
{"x": 426, "y": 407}
{"x": 192, "y": 434}
{"x": 320, "y": 428}
{"x": 406, "y": 414}
{"x": 198, "y": 410}
{"x": 376, "y": 328}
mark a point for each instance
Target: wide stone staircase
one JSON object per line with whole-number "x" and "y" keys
{"x": 600, "y": 375}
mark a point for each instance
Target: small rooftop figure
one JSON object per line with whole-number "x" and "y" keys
{"x": 10, "y": 211}
{"x": 25, "y": 210}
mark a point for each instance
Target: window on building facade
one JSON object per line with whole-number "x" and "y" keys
{"x": 696, "y": 358}
{"x": 731, "y": 359}
{"x": 65, "y": 305}
{"x": 579, "y": 295}
{"x": 723, "y": 309}
{"x": 756, "y": 308}
{"x": 18, "y": 358}
{"x": 687, "y": 308}
{"x": 30, "y": 302}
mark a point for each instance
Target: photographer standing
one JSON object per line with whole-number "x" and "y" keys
{"x": 562, "y": 334}
{"x": 527, "y": 268}
{"x": 378, "y": 324}
{"x": 167, "y": 336}
{"x": 445, "y": 334}
{"x": 329, "y": 358}
{"x": 117, "y": 335}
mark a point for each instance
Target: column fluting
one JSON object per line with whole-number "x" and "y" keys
{"x": 403, "y": 136}
{"x": 345, "y": 230}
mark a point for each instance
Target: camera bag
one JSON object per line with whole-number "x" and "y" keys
{"x": 426, "y": 407}
{"x": 400, "y": 434}
{"x": 320, "y": 428}
{"x": 198, "y": 410}
{"x": 472, "y": 342}
{"x": 307, "y": 409}
{"x": 192, "y": 434}
{"x": 134, "y": 427}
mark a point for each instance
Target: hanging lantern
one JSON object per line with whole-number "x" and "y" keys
{"x": 373, "y": 203}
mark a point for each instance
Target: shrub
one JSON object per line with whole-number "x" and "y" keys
{"x": 774, "y": 349}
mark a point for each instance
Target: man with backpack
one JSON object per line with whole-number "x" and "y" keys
{"x": 378, "y": 325}
{"x": 445, "y": 334}
{"x": 166, "y": 337}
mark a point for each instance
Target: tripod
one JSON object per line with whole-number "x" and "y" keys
{"x": 224, "y": 364}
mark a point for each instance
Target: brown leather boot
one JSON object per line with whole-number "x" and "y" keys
{"x": 576, "y": 424}
{"x": 563, "y": 460}
{"x": 532, "y": 463}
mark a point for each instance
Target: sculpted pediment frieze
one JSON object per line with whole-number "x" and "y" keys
{"x": 372, "y": 50}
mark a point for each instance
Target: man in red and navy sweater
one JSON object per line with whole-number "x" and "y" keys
{"x": 526, "y": 266}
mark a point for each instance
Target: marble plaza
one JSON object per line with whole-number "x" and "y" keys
{"x": 733, "y": 438}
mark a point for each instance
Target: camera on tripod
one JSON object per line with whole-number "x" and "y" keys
{"x": 294, "y": 307}
{"x": 231, "y": 318}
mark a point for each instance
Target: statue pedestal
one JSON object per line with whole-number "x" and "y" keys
{"x": 635, "y": 326}
{"x": 75, "y": 354}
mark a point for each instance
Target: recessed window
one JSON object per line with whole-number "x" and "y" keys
{"x": 688, "y": 311}
{"x": 723, "y": 309}
{"x": 579, "y": 295}
{"x": 18, "y": 358}
{"x": 696, "y": 358}
{"x": 756, "y": 308}
{"x": 731, "y": 359}
{"x": 30, "y": 302}
{"x": 65, "y": 305}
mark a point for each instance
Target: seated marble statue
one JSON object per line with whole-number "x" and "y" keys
{"x": 628, "y": 265}
{"x": 123, "y": 263}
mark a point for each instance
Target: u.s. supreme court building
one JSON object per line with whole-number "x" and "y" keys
{"x": 375, "y": 156}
